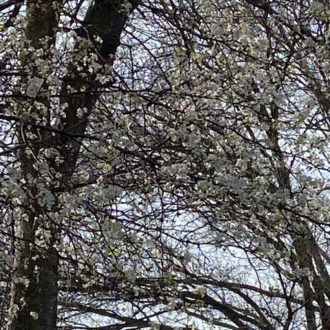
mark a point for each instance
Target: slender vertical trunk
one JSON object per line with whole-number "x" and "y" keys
{"x": 33, "y": 293}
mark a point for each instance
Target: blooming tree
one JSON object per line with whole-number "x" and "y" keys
{"x": 164, "y": 164}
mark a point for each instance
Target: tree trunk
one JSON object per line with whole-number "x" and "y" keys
{"x": 33, "y": 304}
